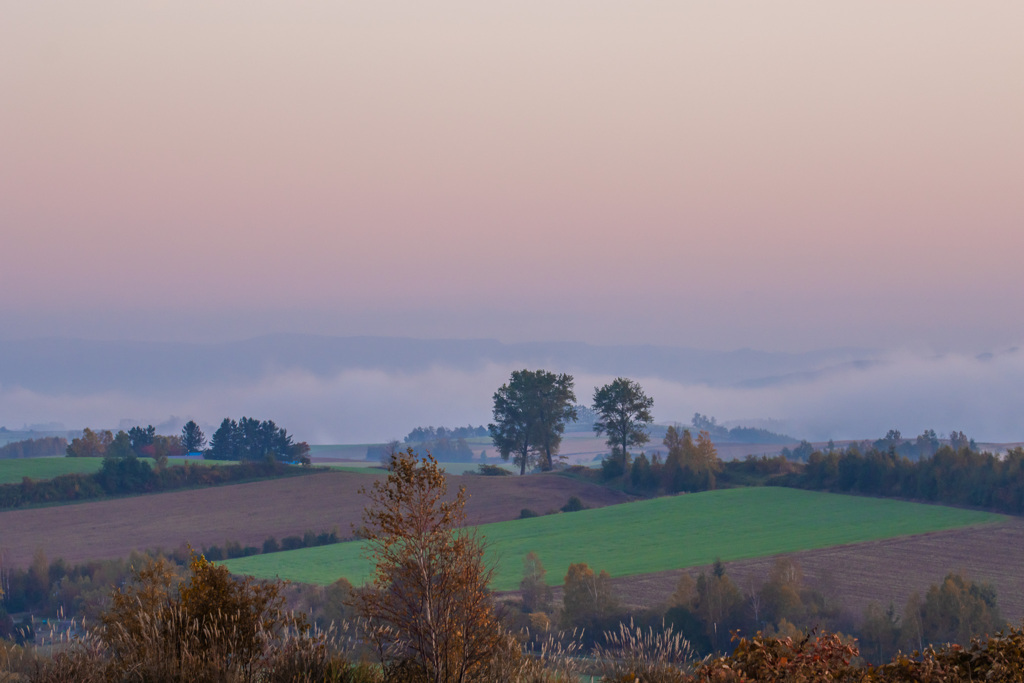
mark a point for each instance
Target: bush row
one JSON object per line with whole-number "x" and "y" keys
{"x": 120, "y": 476}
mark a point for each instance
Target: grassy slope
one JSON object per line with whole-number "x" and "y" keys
{"x": 12, "y": 470}
{"x": 656, "y": 535}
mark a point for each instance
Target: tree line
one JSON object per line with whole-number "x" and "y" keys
{"x": 137, "y": 442}
{"x": 953, "y": 476}
{"x": 120, "y": 476}
{"x": 247, "y": 439}
{"x": 426, "y": 434}
{"x": 42, "y": 447}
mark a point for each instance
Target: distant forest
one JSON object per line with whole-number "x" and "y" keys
{"x": 34, "y": 448}
{"x": 704, "y": 423}
{"x": 425, "y": 434}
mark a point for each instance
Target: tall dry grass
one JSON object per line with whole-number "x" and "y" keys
{"x": 634, "y": 654}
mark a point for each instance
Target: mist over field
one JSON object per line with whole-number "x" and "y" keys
{"x": 359, "y": 390}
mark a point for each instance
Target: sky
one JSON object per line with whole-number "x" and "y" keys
{"x": 781, "y": 176}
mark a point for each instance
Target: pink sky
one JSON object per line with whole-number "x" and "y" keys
{"x": 775, "y": 175}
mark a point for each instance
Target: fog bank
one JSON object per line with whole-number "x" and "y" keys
{"x": 980, "y": 395}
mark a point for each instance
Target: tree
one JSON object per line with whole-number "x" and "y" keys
{"x": 536, "y": 592}
{"x": 959, "y": 608}
{"x": 120, "y": 447}
{"x": 554, "y": 403}
{"x": 718, "y": 604}
{"x": 880, "y": 631}
{"x": 587, "y": 597}
{"x": 224, "y": 443}
{"x": 530, "y": 413}
{"x": 91, "y": 444}
{"x": 706, "y": 460}
{"x": 192, "y": 438}
{"x": 623, "y": 413}
{"x": 690, "y": 466}
{"x": 781, "y": 593}
{"x": 141, "y": 438}
{"x": 428, "y": 609}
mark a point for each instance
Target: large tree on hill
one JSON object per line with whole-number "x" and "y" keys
{"x": 554, "y": 403}
{"x": 623, "y": 413}
{"x": 530, "y": 413}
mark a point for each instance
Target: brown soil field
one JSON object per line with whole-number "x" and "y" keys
{"x": 882, "y": 571}
{"x": 249, "y": 513}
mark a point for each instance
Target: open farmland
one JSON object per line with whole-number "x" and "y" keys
{"x": 13, "y": 470}
{"x": 883, "y": 571}
{"x": 249, "y": 513}
{"x": 658, "y": 535}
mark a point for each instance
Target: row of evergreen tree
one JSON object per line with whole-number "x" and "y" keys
{"x": 250, "y": 439}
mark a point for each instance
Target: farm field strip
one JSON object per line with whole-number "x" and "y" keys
{"x": 881, "y": 571}
{"x": 250, "y": 512}
{"x": 657, "y": 535}
{"x": 13, "y": 470}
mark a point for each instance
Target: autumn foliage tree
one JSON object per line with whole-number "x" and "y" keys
{"x": 587, "y": 598}
{"x": 429, "y": 613}
{"x": 689, "y": 466}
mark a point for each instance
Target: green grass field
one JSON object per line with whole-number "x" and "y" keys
{"x": 13, "y": 470}
{"x": 656, "y": 535}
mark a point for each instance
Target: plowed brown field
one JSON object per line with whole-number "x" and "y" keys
{"x": 248, "y": 513}
{"x": 881, "y": 570}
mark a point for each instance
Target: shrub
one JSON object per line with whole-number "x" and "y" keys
{"x": 574, "y": 505}
{"x": 527, "y": 513}
{"x": 213, "y": 627}
{"x": 492, "y": 471}
{"x": 291, "y": 543}
{"x": 780, "y": 660}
